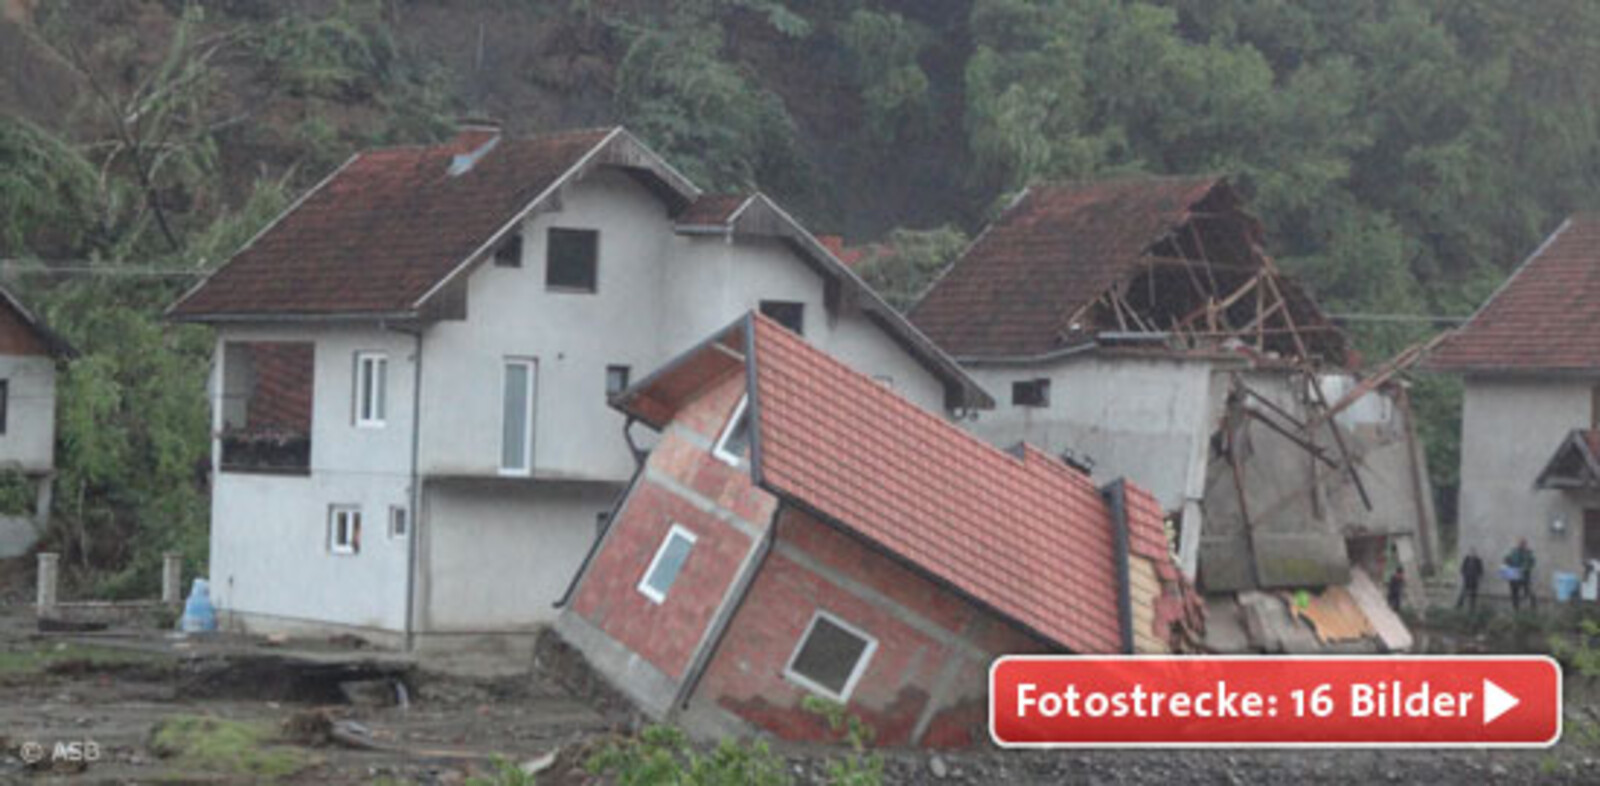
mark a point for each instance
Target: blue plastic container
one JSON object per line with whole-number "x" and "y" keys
{"x": 1567, "y": 585}
{"x": 198, "y": 615}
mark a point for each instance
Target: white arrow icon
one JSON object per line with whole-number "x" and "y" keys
{"x": 1496, "y": 702}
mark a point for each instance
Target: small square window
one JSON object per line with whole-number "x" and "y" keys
{"x": 372, "y": 388}
{"x": 344, "y": 529}
{"x": 572, "y": 260}
{"x": 617, "y": 378}
{"x": 787, "y": 313}
{"x": 509, "y": 254}
{"x": 734, "y": 443}
{"x": 1030, "y": 393}
{"x": 667, "y": 564}
{"x": 831, "y": 657}
{"x": 398, "y": 521}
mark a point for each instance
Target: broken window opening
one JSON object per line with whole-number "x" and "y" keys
{"x": 1030, "y": 393}
{"x": 831, "y": 657}
{"x": 266, "y": 406}
{"x": 789, "y": 314}
{"x": 572, "y": 260}
{"x": 509, "y": 254}
{"x": 667, "y": 564}
{"x": 735, "y": 441}
{"x": 399, "y": 522}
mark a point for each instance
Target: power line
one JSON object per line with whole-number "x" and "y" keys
{"x": 20, "y": 267}
{"x": 1432, "y": 319}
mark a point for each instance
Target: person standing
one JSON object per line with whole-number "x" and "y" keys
{"x": 1471, "y": 572}
{"x": 1521, "y": 561}
{"x": 1397, "y": 588}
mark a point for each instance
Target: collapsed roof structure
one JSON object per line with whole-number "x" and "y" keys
{"x": 1141, "y": 327}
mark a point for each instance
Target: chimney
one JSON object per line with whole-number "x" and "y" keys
{"x": 475, "y": 137}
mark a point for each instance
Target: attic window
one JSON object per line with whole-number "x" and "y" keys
{"x": 735, "y": 440}
{"x": 509, "y": 254}
{"x": 831, "y": 657}
{"x": 787, "y": 313}
{"x": 572, "y": 260}
{"x": 1030, "y": 393}
{"x": 617, "y": 378}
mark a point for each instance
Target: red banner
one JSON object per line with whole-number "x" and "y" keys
{"x": 1280, "y": 701}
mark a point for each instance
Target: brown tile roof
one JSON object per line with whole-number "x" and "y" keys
{"x": 712, "y": 210}
{"x": 1026, "y": 536}
{"x": 23, "y": 333}
{"x": 1543, "y": 317}
{"x": 1058, "y": 248}
{"x": 386, "y": 227}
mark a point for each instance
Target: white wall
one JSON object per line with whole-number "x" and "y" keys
{"x": 1146, "y": 420}
{"x": 29, "y": 439}
{"x": 1510, "y": 429}
{"x": 269, "y": 533}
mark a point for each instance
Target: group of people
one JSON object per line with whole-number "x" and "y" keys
{"x": 1516, "y": 569}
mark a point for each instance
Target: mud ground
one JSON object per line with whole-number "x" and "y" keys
{"x": 447, "y": 722}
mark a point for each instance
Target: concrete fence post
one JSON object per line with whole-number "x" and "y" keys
{"x": 172, "y": 578}
{"x": 49, "y": 570}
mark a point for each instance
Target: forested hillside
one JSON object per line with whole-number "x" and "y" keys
{"x": 1403, "y": 153}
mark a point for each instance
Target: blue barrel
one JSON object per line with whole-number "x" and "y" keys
{"x": 198, "y": 615}
{"x": 1567, "y": 585}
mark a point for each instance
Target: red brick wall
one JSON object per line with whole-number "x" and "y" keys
{"x": 666, "y": 634}
{"x": 746, "y": 676}
{"x": 16, "y": 337}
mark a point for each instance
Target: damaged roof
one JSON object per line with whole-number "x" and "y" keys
{"x": 1053, "y": 251}
{"x": 390, "y": 226}
{"x": 1020, "y": 533}
{"x": 1542, "y": 318}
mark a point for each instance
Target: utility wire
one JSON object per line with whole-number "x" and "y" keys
{"x": 1416, "y": 318}
{"x": 78, "y": 268}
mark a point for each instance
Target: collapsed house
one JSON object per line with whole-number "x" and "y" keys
{"x": 411, "y": 436}
{"x": 1137, "y": 326}
{"x": 1530, "y": 426}
{"x": 802, "y": 529}
{"x": 29, "y": 355}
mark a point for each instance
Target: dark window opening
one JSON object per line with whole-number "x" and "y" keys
{"x": 572, "y": 260}
{"x": 266, "y": 406}
{"x": 787, "y": 313}
{"x": 617, "y": 378}
{"x": 509, "y": 254}
{"x": 1030, "y": 393}
{"x": 735, "y": 441}
{"x": 830, "y": 657}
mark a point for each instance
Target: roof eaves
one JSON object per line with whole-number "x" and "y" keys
{"x": 932, "y": 357}
{"x": 304, "y": 316}
{"x": 171, "y": 310}
{"x": 516, "y": 219}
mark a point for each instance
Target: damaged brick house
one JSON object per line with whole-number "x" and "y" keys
{"x": 1138, "y": 325}
{"x": 29, "y": 356}
{"x": 802, "y": 529}
{"x": 1530, "y": 425}
{"x": 411, "y": 436}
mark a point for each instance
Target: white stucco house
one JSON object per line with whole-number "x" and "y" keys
{"x": 29, "y": 356}
{"x": 412, "y": 437}
{"x": 1530, "y": 421}
{"x": 1136, "y": 326}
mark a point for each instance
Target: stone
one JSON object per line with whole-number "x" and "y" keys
{"x": 937, "y": 767}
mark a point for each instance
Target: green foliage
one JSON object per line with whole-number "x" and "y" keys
{"x": 662, "y": 755}
{"x": 17, "y": 494}
{"x": 345, "y": 54}
{"x": 47, "y": 189}
{"x": 883, "y": 49}
{"x": 506, "y": 773}
{"x": 858, "y": 768}
{"x": 903, "y": 267}
{"x": 227, "y": 747}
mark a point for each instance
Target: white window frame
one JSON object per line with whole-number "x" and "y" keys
{"x": 720, "y": 449}
{"x": 532, "y": 365}
{"x": 352, "y": 513}
{"x": 399, "y": 514}
{"x": 677, "y": 531}
{"x": 855, "y": 673}
{"x": 377, "y": 396}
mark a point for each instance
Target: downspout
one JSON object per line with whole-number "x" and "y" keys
{"x": 414, "y": 515}
{"x": 1116, "y": 497}
{"x": 702, "y": 658}
{"x": 639, "y": 457}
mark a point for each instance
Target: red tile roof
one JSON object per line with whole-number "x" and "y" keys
{"x": 23, "y": 333}
{"x": 1543, "y": 318}
{"x": 1025, "y": 535}
{"x": 386, "y": 227}
{"x": 1058, "y": 248}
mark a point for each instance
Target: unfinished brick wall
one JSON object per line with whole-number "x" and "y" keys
{"x": 925, "y": 684}
{"x": 683, "y": 484}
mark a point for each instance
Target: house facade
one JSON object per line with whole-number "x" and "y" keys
{"x": 1138, "y": 328}
{"x": 1530, "y": 420}
{"x": 802, "y": 530}
{"x": 29, "y": 356}
{"x": 413, "y": 363}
